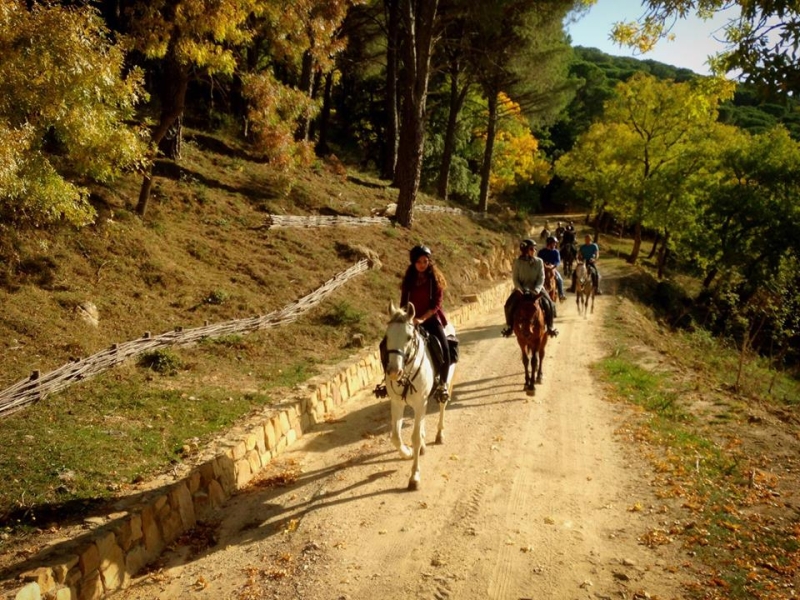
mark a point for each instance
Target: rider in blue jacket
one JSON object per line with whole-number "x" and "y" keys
{"x": 552, "y": 257}
{"x": 589, "y": 252}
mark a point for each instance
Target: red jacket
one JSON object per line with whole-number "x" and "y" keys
{"x": 424, "y": 295}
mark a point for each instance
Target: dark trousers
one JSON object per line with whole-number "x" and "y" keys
{"x": 544, "y": 301}
{"x": 433, "y": 327}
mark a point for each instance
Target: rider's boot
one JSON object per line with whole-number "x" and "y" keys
{"x": 548, "y": 319}
{"x": 441, "y": 393}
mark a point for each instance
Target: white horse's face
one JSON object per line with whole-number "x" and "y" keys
{"x": 399, "y": 340}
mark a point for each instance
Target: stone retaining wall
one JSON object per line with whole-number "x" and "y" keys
{"x": 105, "y": 559}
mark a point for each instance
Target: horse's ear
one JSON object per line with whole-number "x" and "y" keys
{"x": 392, "y": 307}
{"x": 410, "y": 311}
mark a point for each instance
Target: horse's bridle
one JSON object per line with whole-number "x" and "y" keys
{"x": 405, "y": 380}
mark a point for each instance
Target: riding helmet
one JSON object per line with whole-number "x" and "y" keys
{"x": 552, "y": 240}
{"x": 527, "y": 243}
{"x": 417, "y": 252}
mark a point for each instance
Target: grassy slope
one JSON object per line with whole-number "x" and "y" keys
{"x": 201, "y": 254}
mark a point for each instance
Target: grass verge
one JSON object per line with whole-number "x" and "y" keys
{"x": 720, "y": 461}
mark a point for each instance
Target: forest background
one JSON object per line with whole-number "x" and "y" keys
{"x": 141, "y": 141}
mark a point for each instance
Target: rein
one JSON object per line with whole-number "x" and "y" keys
{"x": 406, "y": 381}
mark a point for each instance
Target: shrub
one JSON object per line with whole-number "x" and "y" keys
{"x": 164, "y": 362}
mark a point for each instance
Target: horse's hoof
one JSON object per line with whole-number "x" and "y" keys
{"x": 439, "y": 438}
{"x": 421, "y": 450}
{"x": 413, "y": 485}
{"x": 406, "y": 452}
{"x": 531, "y": 391}
{"x": 539, "y": 380}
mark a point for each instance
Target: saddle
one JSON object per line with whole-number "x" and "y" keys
{"x": 433, "y": 345}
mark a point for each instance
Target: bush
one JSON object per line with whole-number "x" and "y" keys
{"x": 161, "y": 361}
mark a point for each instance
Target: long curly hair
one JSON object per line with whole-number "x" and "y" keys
{"x": 410, "y": 278}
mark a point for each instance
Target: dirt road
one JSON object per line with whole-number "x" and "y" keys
{"x": 529, "y": 497}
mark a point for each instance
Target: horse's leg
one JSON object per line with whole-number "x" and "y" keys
{"x": 539, "y": 374}
{"x": 398, "y": 406}
{"x": 593, "y": 293}
{"x": 534, "y": 368}
{"x": 422, "y": 428}
{"x": 525, "y": 362}
{"x": 440, "y": 430}
{"x": 416, "y": 442}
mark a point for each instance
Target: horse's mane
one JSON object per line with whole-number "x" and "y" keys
{"x": 527, "y": 309}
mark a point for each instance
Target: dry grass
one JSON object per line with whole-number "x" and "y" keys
{"x": 201, "y": 254}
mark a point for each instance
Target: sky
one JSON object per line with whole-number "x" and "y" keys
{"x": 694, "y": 38}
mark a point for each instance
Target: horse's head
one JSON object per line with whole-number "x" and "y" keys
{"x": 529, "y": 317}
{"x": 581, "y": 272}
{"x": 400, "y": 336}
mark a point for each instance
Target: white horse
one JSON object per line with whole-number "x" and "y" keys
{"x": 584, "y": 289}
{"x": 410, "y": 379}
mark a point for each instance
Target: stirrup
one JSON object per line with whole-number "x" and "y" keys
{"x": 380, "y": 391}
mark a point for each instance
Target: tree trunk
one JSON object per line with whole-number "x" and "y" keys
{"x": 637, "y": 243}
{"x": 171, "y": 145}
{"x": 390, "y": 101}
{"x": 409, "y": 162}
{"x": 313, "y": 124}
{"x": 306, "y": 85}
{"x": 456, "y": 103}
{"x": 655, "y": 246}
{"x": 486, "y": 168}
{"x": 709, "y": 277}
{"x": 419, "y": 18}
{"x": 663, "y": 255}
{"x": 325, "y": 116}
{"x": 173, "y": 100}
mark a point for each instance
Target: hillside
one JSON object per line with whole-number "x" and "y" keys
{"x": 202, "y": 254}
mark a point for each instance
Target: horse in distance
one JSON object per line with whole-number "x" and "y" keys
{"x": 585, "y": 289}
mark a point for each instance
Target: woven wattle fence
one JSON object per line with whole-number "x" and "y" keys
{"x": 38, "y": 386}
{"x": 290, "y": 221}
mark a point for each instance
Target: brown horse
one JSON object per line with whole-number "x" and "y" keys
{"x": 529, "y": 327}
{"x": 550, "y": 285}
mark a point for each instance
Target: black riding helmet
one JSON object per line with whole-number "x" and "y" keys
{"x": 418, "y": 251}
{"x": 527, "y": 243}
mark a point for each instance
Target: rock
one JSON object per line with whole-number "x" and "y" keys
{"x": 89, "y": 313}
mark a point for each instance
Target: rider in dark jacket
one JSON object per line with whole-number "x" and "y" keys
{"x": 552, "y": 257}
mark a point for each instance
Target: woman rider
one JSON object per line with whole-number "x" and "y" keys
{"x": 423, "y": 286}
{"x": 528, "y": 274}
